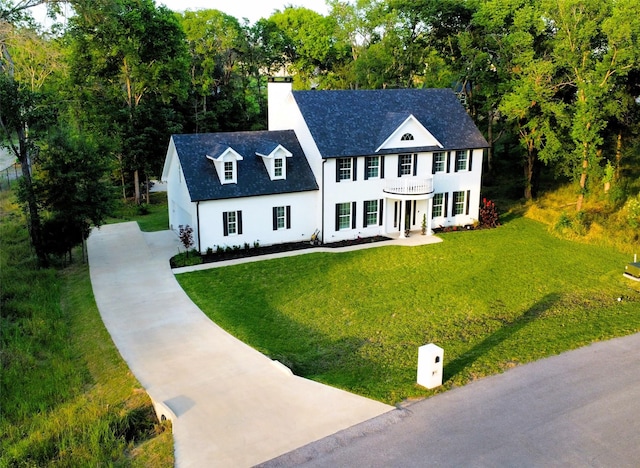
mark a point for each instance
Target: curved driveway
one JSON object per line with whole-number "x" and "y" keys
{"x": 230, "y": 405}
{"x": 234, "y": 407}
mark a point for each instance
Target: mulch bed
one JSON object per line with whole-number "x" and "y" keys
{"x": 288, "y": 247}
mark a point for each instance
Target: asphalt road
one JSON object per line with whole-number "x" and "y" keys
{"x": 579, "y": 409}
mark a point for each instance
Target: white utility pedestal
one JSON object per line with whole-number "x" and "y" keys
{"x": 430, "y": 365}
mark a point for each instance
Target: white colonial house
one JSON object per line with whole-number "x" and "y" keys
{"x": 339, "y": 164}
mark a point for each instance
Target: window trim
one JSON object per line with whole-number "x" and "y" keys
{"x": 367, "y": 212}
{"x": 285, "y": 217}
{"x": 237, "y": 223}
{"x": 341, "y": 172}
{"x": 228, "y": 168}
{"x": 412, "y": 165}
{"x": 460, "y": 156}
{"x": 367, "y": 165}
{"x": 434, "y": 167}
{"x": 351, "y": 216}
{"x": 465, "y": 202}
{"x": 440, "y": 205}
{"x": 281, "y": 168}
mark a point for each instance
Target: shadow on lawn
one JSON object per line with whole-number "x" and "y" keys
{"x": 465, "y": 360}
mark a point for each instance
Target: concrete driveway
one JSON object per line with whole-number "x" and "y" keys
{"x": 230, "y": 405}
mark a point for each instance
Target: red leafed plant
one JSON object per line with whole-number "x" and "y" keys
{"x": 488, "y": 214}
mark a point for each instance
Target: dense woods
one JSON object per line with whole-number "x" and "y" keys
{"x": 554, "y": 85}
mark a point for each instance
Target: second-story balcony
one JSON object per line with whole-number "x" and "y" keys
{"x": 410, "y": 186}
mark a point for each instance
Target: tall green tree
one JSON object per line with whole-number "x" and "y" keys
{"x": 72, "y": 187}
{"x": 597, "y": 44}
{"x": 218, "y": 47}
{"x": 128, "y": 53}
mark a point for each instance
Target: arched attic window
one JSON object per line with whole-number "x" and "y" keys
{"x": 406, "y": 137}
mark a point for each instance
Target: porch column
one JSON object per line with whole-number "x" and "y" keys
{"x": 401, "y": 221}
{"x": 429, "y": 213}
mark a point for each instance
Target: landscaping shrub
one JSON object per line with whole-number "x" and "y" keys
{"x": 488, "y": 214}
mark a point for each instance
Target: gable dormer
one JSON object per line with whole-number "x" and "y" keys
{"x": 410, "y": 134}
{"x": 275, "y": 161}
{"x": 227, "y": 165}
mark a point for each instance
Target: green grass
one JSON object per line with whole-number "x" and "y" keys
{"x": 150, "y": 218}
{"x": 491, "y": 298}
{"x": 67, "y": 397}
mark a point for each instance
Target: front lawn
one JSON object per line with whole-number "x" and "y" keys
{"x": 492, "y": 299}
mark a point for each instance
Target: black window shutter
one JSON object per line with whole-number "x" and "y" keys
{"x": 354, "y": 168}
{"x": 364, "y": 213}
{"x": 353, "y": 215}
{"x": 337, "y": 169}
{"x": 470, "y": 158}
{"x": 399, "y": 166}
{"x": 288, "y": 212}
{"x": 433, "y": 163}
{"x": 337, "y": 216}
{"x": 448, "y": 161}
{"x": 225, "y": 226}
{"x": 275, "y": 218}
{"x": 367, "y": 162}
{"x": 445, "y": 211}
{"x": 455, "y": 165}
{"x": 380, "y": 211}
{"x": 468, "y": 200}
{"x": 415, "y": 165}
{"x": 382, "y": 167}
{"x": 239, "y": 217}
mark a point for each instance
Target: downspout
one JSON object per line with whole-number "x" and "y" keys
{"x": 322, "y": 219}
{"x": 198, "y": 225}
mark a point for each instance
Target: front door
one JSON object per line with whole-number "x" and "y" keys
{"x": 408, "y": 214}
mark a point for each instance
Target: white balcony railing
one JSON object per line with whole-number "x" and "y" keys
{"x": 409, "y": 186}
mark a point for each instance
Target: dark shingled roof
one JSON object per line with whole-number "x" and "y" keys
{"x": 356, "y": 123}
{"x": 253, "y": 179}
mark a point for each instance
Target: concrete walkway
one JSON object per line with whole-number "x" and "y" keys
{"x": 230, "y": 405}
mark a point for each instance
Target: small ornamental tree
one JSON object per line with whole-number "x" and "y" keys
{"x": 186, "y": 237}
{"x": 488, "y": 214}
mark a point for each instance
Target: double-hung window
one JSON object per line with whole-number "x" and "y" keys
{"x": 463, "y": 160}
{"x": 372, "y": 213}
{"x": 372, "y": 169}
{"x": 232, "y": 223}
{"x": 281, "y": 217}
{"x": 461, "y": 202}
{"x": 277, "y": 167}
{"x": 405, "y": 164}
{"x": 439, "y": 161}
{"x": 438, "y": 205}
{"x": 228, "y": 170}
{"x": 343, "y": 169}
{"x": 345, "y": 216}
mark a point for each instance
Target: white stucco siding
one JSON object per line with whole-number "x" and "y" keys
{"x": 461, "y": 181}
{"x": 181, "y": 209}
{"x": 350, "y": 191}
{"x": 257, "y": 220}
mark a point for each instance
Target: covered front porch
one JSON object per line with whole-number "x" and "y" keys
{"x": 409, "y": 201}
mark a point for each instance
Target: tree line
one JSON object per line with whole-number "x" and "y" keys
{"x": 90, "y": 104}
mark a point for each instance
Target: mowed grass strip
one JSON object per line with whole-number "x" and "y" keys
{"x": 66, "y": 398}
{"x": 491, "y": 298}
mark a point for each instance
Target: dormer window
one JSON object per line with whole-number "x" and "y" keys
{"x": 275, "y": 161}
{"x": 228, "y": 171}
{"x": 406, "y": 137}
{"x": 226, "y": 164}
{"x": 277, "y": 168}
